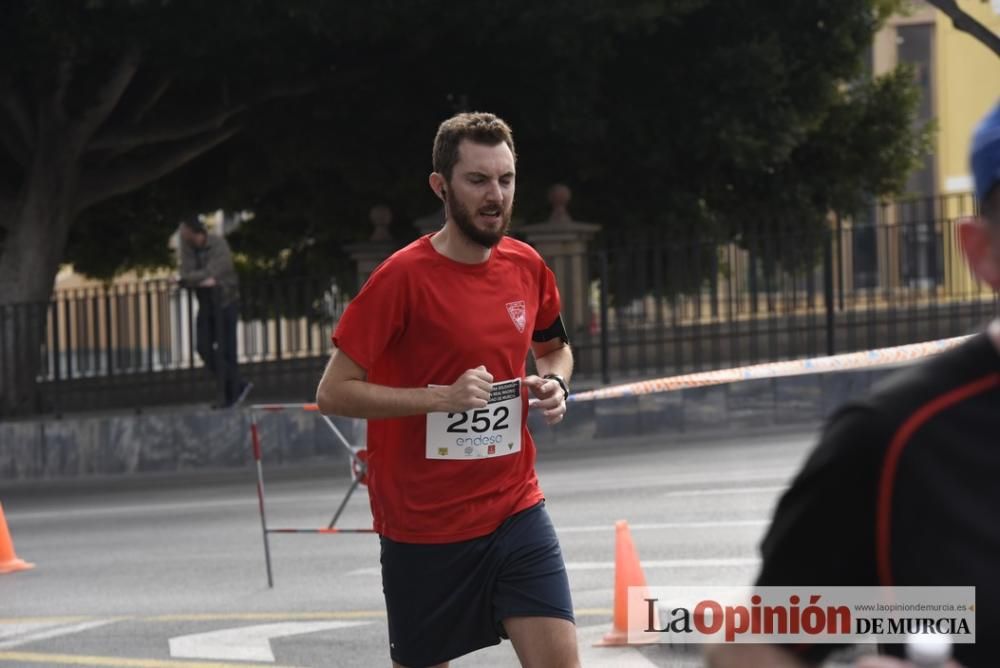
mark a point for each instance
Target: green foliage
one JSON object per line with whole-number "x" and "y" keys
{"x": 691, "y": 120}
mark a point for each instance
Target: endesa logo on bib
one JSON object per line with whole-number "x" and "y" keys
{"x": 475, "y": 434}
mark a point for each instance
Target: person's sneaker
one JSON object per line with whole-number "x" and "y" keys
{"x": 244, "y": 391}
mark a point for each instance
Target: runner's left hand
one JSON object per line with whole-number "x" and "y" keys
{"x": 548, "y": 397}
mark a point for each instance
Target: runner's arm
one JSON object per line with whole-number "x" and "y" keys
{"x": 344, "y": 390}
{"x": 553, "y": 356}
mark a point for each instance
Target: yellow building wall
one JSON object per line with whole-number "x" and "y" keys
{"x": 968, "y": 84}
{"x": 965, "y": 84}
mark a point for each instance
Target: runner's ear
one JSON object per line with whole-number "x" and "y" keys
{"x": 974, "y": 238}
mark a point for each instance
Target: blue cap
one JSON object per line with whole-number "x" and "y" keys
{"x": 985, "y": 155}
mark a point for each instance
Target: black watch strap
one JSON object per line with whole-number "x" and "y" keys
{"x": 562, "y": 383}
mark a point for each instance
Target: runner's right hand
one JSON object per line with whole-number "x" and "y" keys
{"x": 471, "y": 390}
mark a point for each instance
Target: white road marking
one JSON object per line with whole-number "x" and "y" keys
{"x": 15, "y": 635}
{"x": 279, "y": 498}
{"x": 667, "y": 563}
{"x": 665, "y": 525}
{"x": 19, "y": 628}
{"x": 251, "y": 503}
{"x": 248, "y": 502}
{"x": 245, "y": 643}
{"x": 565, "y": 483}
{"x": 607, "y": 657}
{"x": 607, "y": 565}
{"x": 726, "y": 490}
{"x": 552, "y": 482}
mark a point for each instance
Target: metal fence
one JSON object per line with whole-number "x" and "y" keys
{"x": 134, "y": 345}
{"x": 894, "y": 276}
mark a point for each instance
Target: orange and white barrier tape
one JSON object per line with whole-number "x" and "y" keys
{"x": 859, "y": 360}
{"x": 274, "y": 408}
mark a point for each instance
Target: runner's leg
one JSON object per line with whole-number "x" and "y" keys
{"x": 543, "y": 642}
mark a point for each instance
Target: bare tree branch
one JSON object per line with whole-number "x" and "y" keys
{"x": 64, "y": 74}
{"x": 284, "y": 90}
{"x": 122, "y": 140}
{"x": 154, "y": 96}
{"x": 966, "y": 23}
{"x": 131, "y": 175}
{"x": 109, "y": 94}
{"x": 15, "y": 145}
{"x": 8, "y": 199}
{"x": 13, "y": 103}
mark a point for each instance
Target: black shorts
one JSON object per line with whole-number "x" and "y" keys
{"x": 447, "y": 600}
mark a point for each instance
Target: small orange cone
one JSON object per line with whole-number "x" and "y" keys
{"x": 628, "y": 573}
{"x": 9, "y": 563}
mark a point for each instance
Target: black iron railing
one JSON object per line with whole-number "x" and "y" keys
{"x": 134, "y": 345}
{"x": 634, "y": 310}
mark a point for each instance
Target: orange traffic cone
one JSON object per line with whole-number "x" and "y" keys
{"x": 628, "y": 573}
{"x": 9, "y": 563}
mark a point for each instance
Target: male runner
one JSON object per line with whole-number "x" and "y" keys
{"x": 432, "y": 352}
{"x": 902, "y": 489}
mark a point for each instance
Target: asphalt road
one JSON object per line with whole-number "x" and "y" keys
{"x": 126, "y": 576}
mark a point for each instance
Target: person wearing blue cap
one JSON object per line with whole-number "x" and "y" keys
{"x": 980, "y": 238}
{"x": 902, "y": 488}
{"x": 986, "y": 157}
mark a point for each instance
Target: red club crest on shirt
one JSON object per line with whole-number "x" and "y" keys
{"x": 516, "y": 312}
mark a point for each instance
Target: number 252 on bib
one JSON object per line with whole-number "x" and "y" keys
{"x": 479, "y": 433}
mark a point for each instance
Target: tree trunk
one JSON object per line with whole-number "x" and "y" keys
{"x": 29, "y": 261}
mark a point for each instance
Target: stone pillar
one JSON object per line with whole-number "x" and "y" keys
{"x": 563, "y": 243}
{"x": 432, "y": 222}
{"x": 367, "y": 255}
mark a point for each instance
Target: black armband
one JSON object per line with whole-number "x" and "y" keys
{"x": 554, "y": 331}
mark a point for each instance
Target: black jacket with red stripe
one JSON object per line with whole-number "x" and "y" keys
{"x": 904, "y": 489}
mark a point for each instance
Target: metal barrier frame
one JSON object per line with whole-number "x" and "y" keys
{"x": 358, "y": 456}
{"x": 359, "y": 473}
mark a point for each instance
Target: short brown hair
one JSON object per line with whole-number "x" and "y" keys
{"x": 479, "y": 127}
{"x": 195, "y": 225}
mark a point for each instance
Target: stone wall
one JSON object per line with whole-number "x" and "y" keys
{"x": 180, "y": 441}
{"x": 164, "y": 442}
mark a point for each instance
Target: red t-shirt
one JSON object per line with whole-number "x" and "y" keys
{"x": 422, "y": 319}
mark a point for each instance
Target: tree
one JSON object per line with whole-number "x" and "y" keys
{"x": 99, "y": 99}
{"x": 693, "y": 119}
{"x": 685, "y": 118}
{"x": 968, "y": 24}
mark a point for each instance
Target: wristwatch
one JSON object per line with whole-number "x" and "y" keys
{"x": 562, "y": 383}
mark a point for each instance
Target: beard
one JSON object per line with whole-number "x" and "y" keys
{"x": 463, "y": 219}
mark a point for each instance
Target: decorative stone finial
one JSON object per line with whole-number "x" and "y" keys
{"x": 432, "y": 222}
{"x": 381, "y": 218}
{"x": 559, "y": 197}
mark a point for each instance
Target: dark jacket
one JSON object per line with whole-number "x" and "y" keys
{"x": 213, "y": 259}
